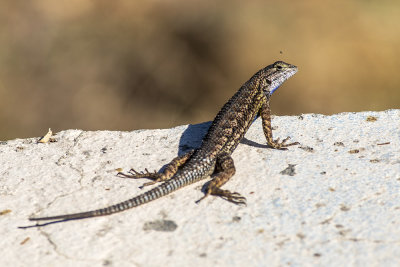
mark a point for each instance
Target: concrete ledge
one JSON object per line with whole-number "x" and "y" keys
{"x": 334, "y": 200}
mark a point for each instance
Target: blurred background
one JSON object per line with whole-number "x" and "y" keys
{"x": 124, "y": 65}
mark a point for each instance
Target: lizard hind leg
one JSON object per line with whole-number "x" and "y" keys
{"x": 226, "y": 169}
{"x": 168, "y": 172}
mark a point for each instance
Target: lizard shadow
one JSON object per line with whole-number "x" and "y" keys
{"x": 248, "y": 142}
{"x": 193, "y": 135}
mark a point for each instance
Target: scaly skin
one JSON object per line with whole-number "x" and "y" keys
{"x": 213, "y": 158}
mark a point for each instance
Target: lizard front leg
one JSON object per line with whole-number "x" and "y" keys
{"x": 265, "y": 113}
{"x": 169, "y": 171}
{"x": 225, "y": 170}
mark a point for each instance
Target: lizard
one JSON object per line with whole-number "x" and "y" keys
{"x": 213, "y": 158}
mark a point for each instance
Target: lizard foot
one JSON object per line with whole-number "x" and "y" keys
{"x": 234, "y": 197}
{"x": 282, "y": 145}
{"x": 133, "y": 174}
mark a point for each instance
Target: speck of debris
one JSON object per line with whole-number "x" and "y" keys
{"x": 3, "y": 212}
{"x": 3, "y": 142}
{"x": 203, "y": 255}
{"x": 300, "y": 117}
{"x": 104, "y": 150}
{"x": 290, "y": 170}
{"x": 371, "y": 118}
{"x": 332, "y": 189}
{"x": 107, "y": 262}
{"x": 317, "y": 255}
{"x": 330, "y": 129}
{"x": 327, "y": 221}
{"x": 356, "y": 141}
{"x": 281, "y": 243}
{"x": 339, "y": 226}
{"x": 300, "y": 235}
{"x": 307, "y": 148}
{"x": 344, "y": 208}
{"x": 343, "y": 232}
{"x": 323, "y": 173}
{"x": 25, "y": 240}
{"x": 338, "y": 144}
{"x": 381, "y": 144}
{"x": 319, "y": 205}
{"x": 236, "y": 219}
{"x": 354, "y": 151}
{"x": 374, "y": 160}
{"x": 161, "y": 226}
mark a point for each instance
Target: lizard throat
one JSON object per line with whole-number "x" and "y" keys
{"x": 274, "y": 89}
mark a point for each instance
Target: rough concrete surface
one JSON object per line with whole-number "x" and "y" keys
{"x": 334, "y": 200}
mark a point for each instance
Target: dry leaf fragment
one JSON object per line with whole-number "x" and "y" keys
{"x": 46, "y": 138}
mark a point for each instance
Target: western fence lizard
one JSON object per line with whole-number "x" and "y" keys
{"x": 213, "y": 157}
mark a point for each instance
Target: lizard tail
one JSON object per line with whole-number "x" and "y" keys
{"x": 157, "y": 192}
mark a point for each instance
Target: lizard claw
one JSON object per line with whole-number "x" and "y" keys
{"x": 282, "y": 145}
{"x": 235, "y": 198}
{"x": 133, "y": 174}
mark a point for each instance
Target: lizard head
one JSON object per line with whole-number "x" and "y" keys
{"x": 274, "y": 75}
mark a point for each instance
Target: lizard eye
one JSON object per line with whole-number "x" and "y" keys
{"x": 268, "y": 81}
{"x": 279, "y": 67}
